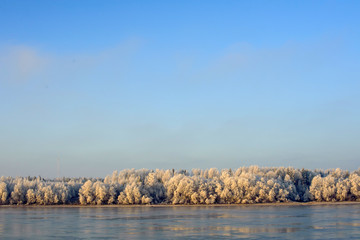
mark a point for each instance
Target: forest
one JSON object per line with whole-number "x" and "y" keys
{"x": 244, "y": 185}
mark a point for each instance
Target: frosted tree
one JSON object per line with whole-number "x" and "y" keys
{"x": 3, "y": 193}
{"x": 30, "y": 196}
{"x": 355, "y": 186}
{"x": 86, "y": 193}
{"x": 18, "y": 195}
{"x": 199, "y": 186}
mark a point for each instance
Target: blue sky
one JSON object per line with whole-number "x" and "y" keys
{"x": 88, "y": 87}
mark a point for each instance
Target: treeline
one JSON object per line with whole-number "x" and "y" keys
{"x": 211, "y": 186}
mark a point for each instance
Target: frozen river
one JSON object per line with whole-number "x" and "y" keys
{"x": 182, "y": 222}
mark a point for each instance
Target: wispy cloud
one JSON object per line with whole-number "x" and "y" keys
{"x": 245, "y": 62}
{"x": 21, "y": 63}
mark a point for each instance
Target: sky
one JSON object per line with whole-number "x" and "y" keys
{"x": 89, "y": 87}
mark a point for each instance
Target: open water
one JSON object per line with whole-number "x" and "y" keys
{"x": 182, "y": 222}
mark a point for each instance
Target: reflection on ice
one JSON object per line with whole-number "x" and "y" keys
{"x": 353, "y": 224}
{"x": 180, "y": 228}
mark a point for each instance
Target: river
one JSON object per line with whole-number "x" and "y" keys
{"x": 333, "y": 221}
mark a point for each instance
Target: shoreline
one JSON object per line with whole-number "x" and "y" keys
{"x": 282, "y": 204}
